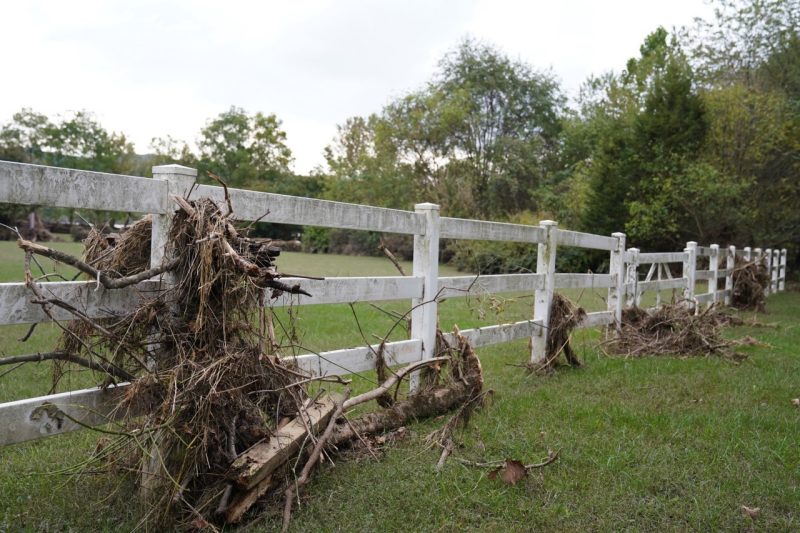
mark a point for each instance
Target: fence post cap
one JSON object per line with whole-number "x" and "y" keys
{"x": 548, "y": 223}
{"x": 618, "y": 234}
{"x": 426, "y": 206}
{"x": 175, "y": 169}
{"x": 714, "y": 246}
{"x": 691, "y": 244}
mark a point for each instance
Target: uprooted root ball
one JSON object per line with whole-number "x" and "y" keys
{"x": 564, "y": 318}
{"x": 750, "y": 278}
{"x": 206, "y": 384}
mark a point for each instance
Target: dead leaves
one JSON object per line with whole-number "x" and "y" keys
{"x": 751, "y": 512}
{"x": 510, "y": 473}
{"x": 796, "y": 402}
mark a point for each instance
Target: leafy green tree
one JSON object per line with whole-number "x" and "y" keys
{"x": 478, "y": 139}
{"x": 647, "y": 126}
{"x": 244, "y": 149}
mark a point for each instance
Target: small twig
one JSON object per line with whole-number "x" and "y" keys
{"x": 29, "y": 333}
{"x": 388, "y": 253}
{"x": 389, "y": 383}
{"x": 225, "y": 187}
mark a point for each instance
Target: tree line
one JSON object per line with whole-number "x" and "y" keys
{"x": 695, "y": 138}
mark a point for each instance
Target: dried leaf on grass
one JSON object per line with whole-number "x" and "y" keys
{"x": 510, "y": 473}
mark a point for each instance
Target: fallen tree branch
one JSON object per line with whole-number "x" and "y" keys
{"x": 101, "y": 276}
{"x": 391, "y": 381}
{"x": 72, "y": 358}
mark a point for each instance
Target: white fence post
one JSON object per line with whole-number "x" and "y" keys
{"x": 730, "y": 265}
{"x": 782, "y": 276}
{"x": 713, "y": 266}
{"x": 632, "y": 279}
{"x": 776, "y": 268}
{"x": 545, "y": 264}
{"x": 748, "y": 253}
{"x": 180, "y": 180}
{"x": 768, "y": 263}
{"x": 424, "y": 314}
{"x": 689, "y": 269}
{"x": 616, "y": 267}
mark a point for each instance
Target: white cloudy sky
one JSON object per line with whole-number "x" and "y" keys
{"x": 151, "y": 68}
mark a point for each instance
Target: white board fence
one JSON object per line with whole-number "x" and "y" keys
{"x": 35, "y": 185}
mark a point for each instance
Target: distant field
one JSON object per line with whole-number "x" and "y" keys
{"x": 654, "y": 444}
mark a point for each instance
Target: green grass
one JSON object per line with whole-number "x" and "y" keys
{"x": 649, "y": 444}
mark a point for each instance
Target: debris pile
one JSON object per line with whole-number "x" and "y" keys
{"x": 564, "y": 318}
{"x": 214, "y": 417}
{"x": 750, "y": 278}
{"x": 674, "y": 329}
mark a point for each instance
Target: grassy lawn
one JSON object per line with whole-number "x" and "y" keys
{"x": 646, "y": 445}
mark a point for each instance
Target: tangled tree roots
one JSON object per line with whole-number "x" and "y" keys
{"x": 209, "y": 393}
{"x": 749, "y": 281}
{"x": 564, "y": 318}
{"x": 671, "y": 330}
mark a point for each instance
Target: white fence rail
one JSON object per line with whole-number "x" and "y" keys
{"x": 47, "y": 186}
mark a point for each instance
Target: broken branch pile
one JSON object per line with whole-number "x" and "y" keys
{"x": 671, "y": 330}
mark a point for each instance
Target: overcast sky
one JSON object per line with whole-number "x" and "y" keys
{"x": 153, "y": 68}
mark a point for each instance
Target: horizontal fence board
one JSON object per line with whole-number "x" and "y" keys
{"x": 724, "y": 272}
{"x": 703, "y": 251}
{"x": 703, "y": 274}
{"x": 660, "y": 285}
{"x": 704, "y": 298}
{"x": 598, "y": 318}
{"x": 16, "y": 306}
{"x": 472, "y": 285}
{"x": 282, "y": 209}
{"x": 585, "y": 240}
{"x": 498, "y": 334}
{"x": 662, "y": 257}
{"x": 80, "y": 189}
{"x": 34, "y": 418}
{"x": 361, "y": 359}
{"x": 345, "y": 290}
{"x": 482, "y": 230}
{"x": 584, "y": 281}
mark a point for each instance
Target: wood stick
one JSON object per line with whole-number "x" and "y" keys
{"x": 391, "y": 381}
{"x": 101, "y": 276}
{"x": 72, "y": 358}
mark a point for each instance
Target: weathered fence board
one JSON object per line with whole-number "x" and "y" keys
{"x": 662, "y": 285}
{"x": 583, "y": 281}
{"x": 361, "y": 359}
{"x": 15, "y": 300}
{"x": 585, "y": 240}
{"x": 269, "y": 207}
{"x": 346, "y": 290}
{"x": 499, "y": 333}
{"x": 459, "y": 228}
{"x": 474, "y": 285}
{"x": 662, "y": 257}
{"x": 80, "y": 189}
{"x": 45, "y": 416}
